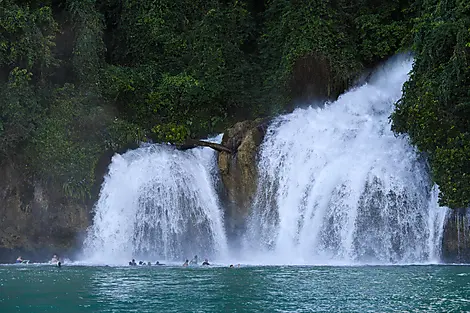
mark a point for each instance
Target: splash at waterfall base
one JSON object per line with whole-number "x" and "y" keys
{"x": 333, "y": 185}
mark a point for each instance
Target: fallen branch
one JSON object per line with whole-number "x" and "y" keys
{"x": 191, "y": 143}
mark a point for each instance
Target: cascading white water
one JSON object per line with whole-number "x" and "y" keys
{"x": 336, "y": 185}
{"x": 157, "y": 203}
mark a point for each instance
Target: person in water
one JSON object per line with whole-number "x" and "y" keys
{"x": 158, "y": 263}
{"x": 132, "y": 263}
{"x": 206, "y": 262}
{"x": 194, "y": 260}
{"x": 55, "y": 259}
{"x": 186, "y": 263}
{"x": 19, "y": 259}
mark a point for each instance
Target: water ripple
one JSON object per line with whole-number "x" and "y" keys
{"x": 245, "y": 289}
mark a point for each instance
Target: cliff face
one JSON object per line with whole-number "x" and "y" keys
{"x": 239, "y": 171}
{"x": 36, "y": 221}
{"x": 456, "y": 238}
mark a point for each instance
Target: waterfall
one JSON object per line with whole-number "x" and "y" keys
{"x": 336, "y": 185}
{"x": 157, "y": 203}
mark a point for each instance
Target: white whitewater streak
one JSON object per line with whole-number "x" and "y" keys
{"x": 157, "y": 203}
{"x": 336, "y": 185}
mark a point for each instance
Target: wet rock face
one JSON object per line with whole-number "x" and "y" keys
{"x": 239, "y": 170}
{"x": 456, "y": 238}
{"x": 313, "y": 79}
{"x": 35, "y": 220}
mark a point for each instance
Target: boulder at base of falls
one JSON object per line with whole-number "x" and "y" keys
{"x": 456, "y": 238}
{"x": 239, "y": 170}
{"x": 36, "y": 221}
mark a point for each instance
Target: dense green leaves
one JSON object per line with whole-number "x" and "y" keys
{"x": 185, "y": 64}
{"x": 20, "y": 111}
{"x": 435, "y": 108}
{"x": 56, "y": 132}
{"x": 78, "y": 78}
{"x": 328, "y": 42}
{"x": 26, "y": 43}
{"x": 89, "y": 47}
{"x": 26, "y": 37}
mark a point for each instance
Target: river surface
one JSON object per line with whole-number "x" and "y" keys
{"x": 434, "y": 288}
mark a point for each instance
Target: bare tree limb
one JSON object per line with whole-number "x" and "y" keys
{"x": 191, "y": 143}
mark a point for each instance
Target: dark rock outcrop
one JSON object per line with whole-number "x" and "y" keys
{"x": 34, "y": 220}
{"x": 314, "y": 79}
{"x": 456, "y": 238}
{"x": 239, "y": 170}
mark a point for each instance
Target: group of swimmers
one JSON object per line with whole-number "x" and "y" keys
{"x": 133, "y": 263}
{"x": 186, "y": 263}
{"x": 55, "y": 260}
{"x": 194, "y": 261}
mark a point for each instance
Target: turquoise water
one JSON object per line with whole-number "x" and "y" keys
{"x": 245, "y": 289}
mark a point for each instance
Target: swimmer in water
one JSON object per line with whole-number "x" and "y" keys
{"x": 206, "y": 262}
{"x": 194, "y": 260}
{"x": 186, "y": 263}
{"x": 55, "y": 259}
{"x": 19, "y": 260}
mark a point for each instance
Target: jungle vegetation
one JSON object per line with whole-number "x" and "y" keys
{"x": 81, "y": 77}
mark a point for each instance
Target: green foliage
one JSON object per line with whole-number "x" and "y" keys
{"x": 67, "y": 142}
{"x": 176, "y": 99}
{"x": 339, "y": 37}
{"x": 59, "y": 132}
{"x": 70, "y": 139}
{"x": 26, "y": 37}
{"x": 78, "y": 78}
{"x": 187, "y": 66}
{"x": 297, "y": 29}
{"x": 171, "y": 132}
{"x": 19, "y": 111}
{"x": 435, "y": 108}
{"x": 89, "y": 47}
